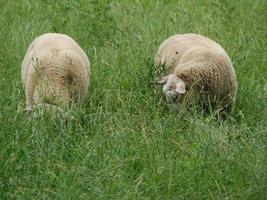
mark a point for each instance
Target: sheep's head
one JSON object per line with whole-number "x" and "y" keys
{"x": 173, "y": 88}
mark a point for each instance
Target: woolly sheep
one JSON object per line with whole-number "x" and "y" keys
{"x": 55, "y": 70}
{"x": 199, "y": 71}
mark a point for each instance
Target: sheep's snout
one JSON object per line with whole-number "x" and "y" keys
{"x": 173, "y": 89}
{"x": 172, "y": 96}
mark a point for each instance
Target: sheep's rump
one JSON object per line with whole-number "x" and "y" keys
{"x": 203, "y": 65}
{"x": 53, "y": 64}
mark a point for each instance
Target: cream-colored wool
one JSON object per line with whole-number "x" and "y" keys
{"x": 55, "y": 70}
{"x": 198, "y": 64}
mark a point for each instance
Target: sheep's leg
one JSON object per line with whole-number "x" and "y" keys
{"x": 30, "y": 87}
{"x": 29, "y": 93}
{"x": 80, "y": 81}
{"x": 84, "y": 85}
{"x": 77, "y": 74}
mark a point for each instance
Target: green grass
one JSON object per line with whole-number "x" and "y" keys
{"x": 123, "y": 143}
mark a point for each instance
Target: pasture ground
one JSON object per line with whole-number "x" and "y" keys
{"x": 123, "y": 143}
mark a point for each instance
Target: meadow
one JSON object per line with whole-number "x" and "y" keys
{"x": 123, "y": 142}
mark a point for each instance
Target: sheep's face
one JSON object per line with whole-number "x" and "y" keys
{"x": 173, "y": 88}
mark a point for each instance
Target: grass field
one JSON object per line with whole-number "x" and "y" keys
{"x": 123, "y": 143}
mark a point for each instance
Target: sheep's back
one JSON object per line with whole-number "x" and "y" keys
{"x": 172, "y": 50}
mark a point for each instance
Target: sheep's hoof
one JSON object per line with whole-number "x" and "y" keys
{"x": 28, "y": 109}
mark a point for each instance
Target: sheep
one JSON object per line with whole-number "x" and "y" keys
{"x": 200, "y": 71}
{"x": 55, "y": 71}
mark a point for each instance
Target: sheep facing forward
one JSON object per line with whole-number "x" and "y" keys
{"x": 55, "y": 71}
{"x": 200, "y": 71}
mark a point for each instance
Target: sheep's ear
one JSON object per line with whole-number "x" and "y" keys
{"x": 163, "y": 80}
{"x": 180, "y": 87}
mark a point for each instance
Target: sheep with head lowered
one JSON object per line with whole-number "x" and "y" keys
{"x": 200, "y": 71}
{"x": 54, "y": 71}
